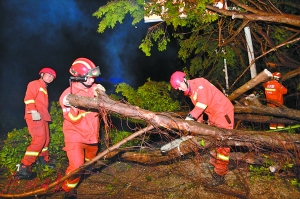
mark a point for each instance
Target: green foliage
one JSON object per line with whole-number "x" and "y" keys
{"x": 295, "y": 182}
{"x": 280, "y": 35}
{"x": 14, "y": 148}
{"x": 56, "y": 134}
{"x": 17, "y": 141}
{"x": 204, "y": 36}
{"x": 263, "y": 172}
{"x": 117, "y": 136}
{"x": 145, "y": 46}
{"x": 156, "y": 34}
{"x": 260, "y": 172}
{"x": 148, "y": 178}
{"x": 116, "y": 11}
{"x": 154, "y": 96}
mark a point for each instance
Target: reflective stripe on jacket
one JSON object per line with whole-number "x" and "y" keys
{"x": 80, "y": 125}
{"x": 36, "y": 98}
{"x": 274, "y": 91}
{"x": 222, "y": 157}
{"x": 210, "y": 100}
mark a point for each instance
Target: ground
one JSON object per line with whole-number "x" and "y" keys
{"x": 186, "y": 178}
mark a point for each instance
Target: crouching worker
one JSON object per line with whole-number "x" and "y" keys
{"x": 80, "y": 126}
{"x": 220, "y": 111}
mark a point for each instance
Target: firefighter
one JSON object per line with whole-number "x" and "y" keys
{"x": 274, "y": 92}
{"x": 220, "y": 111}
{"x": 80, "y": 126}
{"x": 37, "y": 118}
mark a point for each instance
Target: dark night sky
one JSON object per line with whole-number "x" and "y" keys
{"x": 53, "y": 33}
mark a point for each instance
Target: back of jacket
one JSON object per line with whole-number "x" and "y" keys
{"x": 36, "y": 98}
{"x": 212, "y": 101}
{"x": 80, "y": 125}
{"x": 274, "y": 90}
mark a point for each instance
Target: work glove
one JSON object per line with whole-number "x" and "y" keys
{"x": 66, "y": 102}
{"x": 35, "y": 115}
{"x": 98, "y": 86}
{"x": 190, "y": 117}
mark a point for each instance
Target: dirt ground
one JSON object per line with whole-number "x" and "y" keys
{"x": 180, "y": 179}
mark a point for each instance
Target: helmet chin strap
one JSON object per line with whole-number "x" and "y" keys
{"x": 42, "y": 77}
{"x": 187, "y": 92}
{"x": 87, "y": 86}
{"x": 186, "y": 83}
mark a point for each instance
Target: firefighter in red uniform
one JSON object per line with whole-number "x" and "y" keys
{"x": 274, "y": 92}
{"x": 220, "y": 111}
{"x": 81, "y": 126}
{"x": 37, "y": 118}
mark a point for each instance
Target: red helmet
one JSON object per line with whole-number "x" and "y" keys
{"x": 49, "y": 71}
{"x": 176, "y": 78}
{"x": 84, "y": 67}
{"x": 277, "y": 75}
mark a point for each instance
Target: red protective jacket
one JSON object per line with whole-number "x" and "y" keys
{"x": 80, "y": 125}
{"x": 36, "y": 98}
{"x": 274, "y": 91}
{"x": 208, "y": 99}
{"x": 220, "y": 111}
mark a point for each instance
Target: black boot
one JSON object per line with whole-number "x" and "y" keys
{"x": 24, "y": 172}
{"x": 217, "y": 179}
{"x": 42, "y": 161}
{"x": 71, "y": 194}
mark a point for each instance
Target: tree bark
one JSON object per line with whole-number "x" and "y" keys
{"x": 264, "y": 119}
{"x": 261, "y": 77}
{"x": 265, "y": 110}
{"x": 165, "y": 120}
{"x": 257, "y": 15}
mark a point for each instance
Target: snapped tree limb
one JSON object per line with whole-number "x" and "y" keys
{"x": 165, "y": 120}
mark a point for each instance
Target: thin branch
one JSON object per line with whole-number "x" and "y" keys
{"x": 271, "y": 50}
{"x": 95, "y": 159}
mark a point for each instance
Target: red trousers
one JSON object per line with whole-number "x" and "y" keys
{"x": 220, "y": 159}
{"x": 39, "y": 131}
{"x": 77, "y": 153}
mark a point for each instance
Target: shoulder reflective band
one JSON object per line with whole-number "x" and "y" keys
{"x": 44, "y": 91}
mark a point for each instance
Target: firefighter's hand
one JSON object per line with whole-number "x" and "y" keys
{"x": 190, "y": 117}
{"x": 100, "y": 87}
{"x": 35, "y": 115}
{"x": 66, "y": 102}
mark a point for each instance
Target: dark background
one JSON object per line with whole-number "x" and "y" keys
{"x": 53, "y": 33}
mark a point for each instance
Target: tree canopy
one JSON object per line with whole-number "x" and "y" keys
{"x": 210, "y": 36}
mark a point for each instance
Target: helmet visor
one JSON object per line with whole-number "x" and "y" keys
{"x": 95, "y": 72}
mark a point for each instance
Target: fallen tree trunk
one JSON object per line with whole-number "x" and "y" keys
{"x": 264, "y": 119}
{"x": 155, "y": 157}
{"x": 251, "y": 109}
{"x": 261, "y": 77}
{"x": 265, "y": 110}
{"x": 224, "y": 136}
